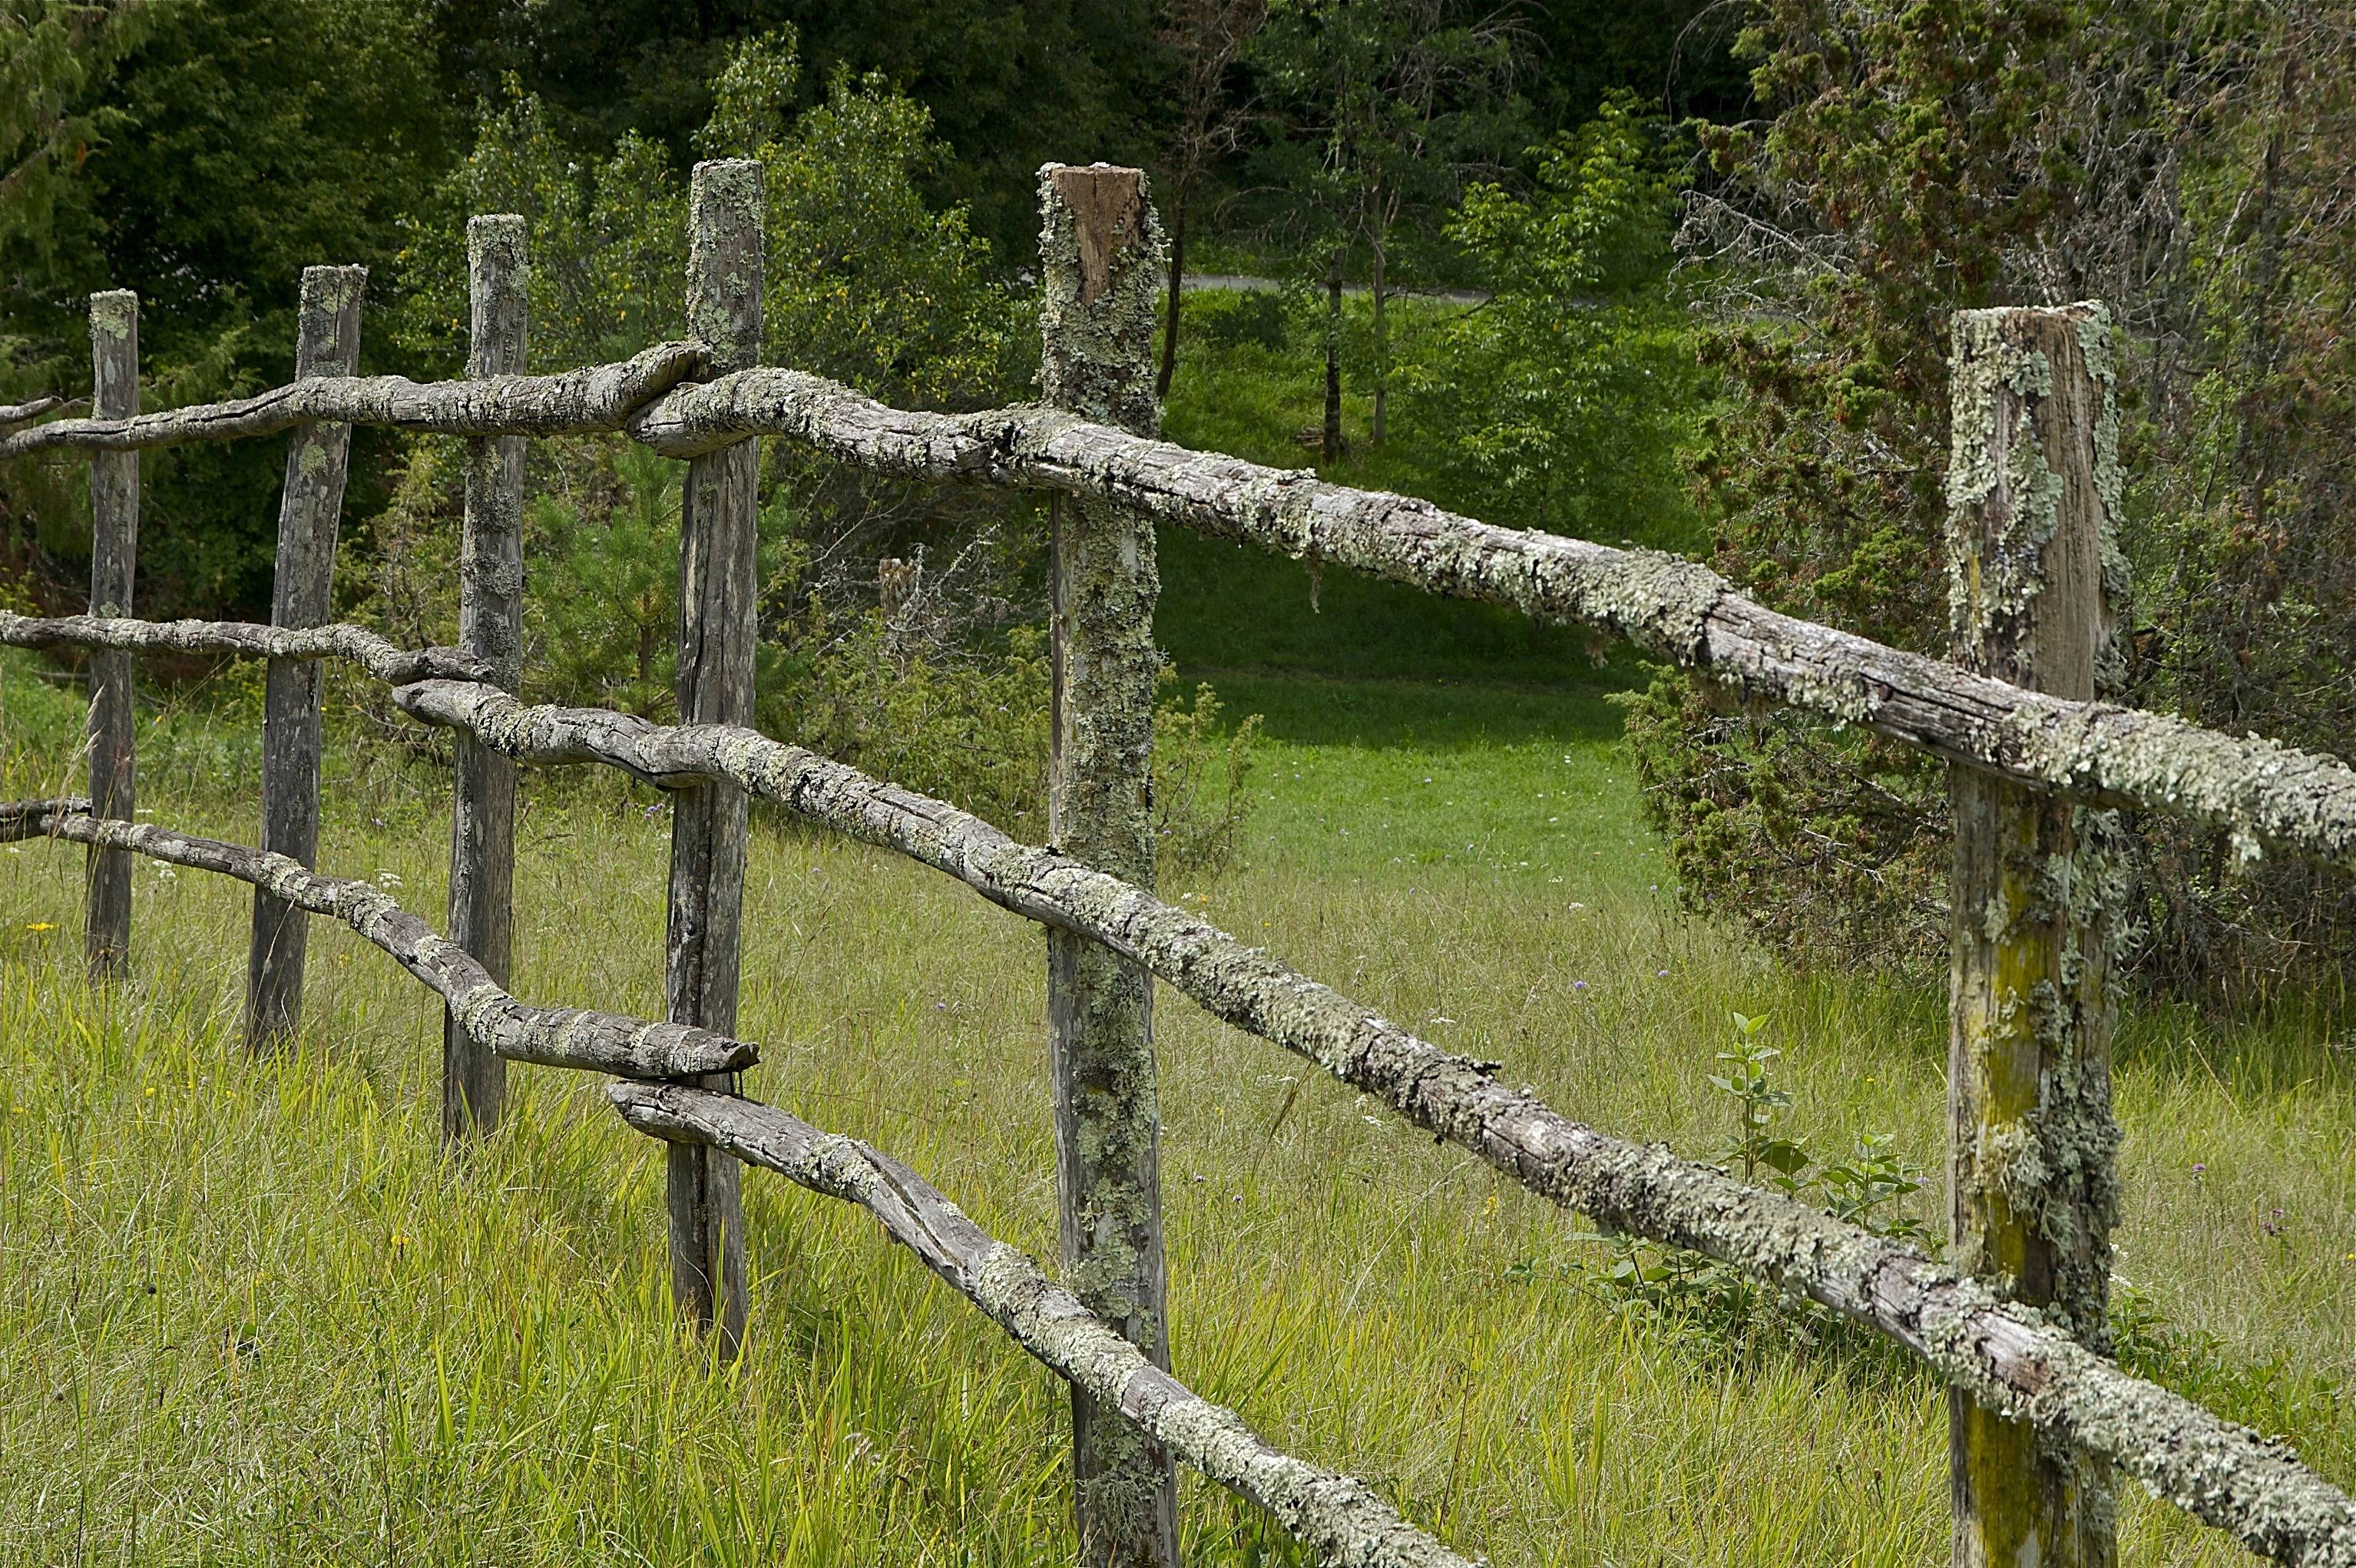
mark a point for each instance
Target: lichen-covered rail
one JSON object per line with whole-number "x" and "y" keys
{"x": 378, "y": 656}
{"x": 1339, "y": 1517}
{"x": 574, "y": 402}
{"x": 2010, "y": 1359}
{"x": 550, "y": 1037}
{"x": 2257, "y": 791}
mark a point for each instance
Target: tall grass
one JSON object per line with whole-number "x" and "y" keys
{"x": 249, "y": 1314}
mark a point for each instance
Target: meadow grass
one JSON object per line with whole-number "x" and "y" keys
{"x": 250, "y": 1314}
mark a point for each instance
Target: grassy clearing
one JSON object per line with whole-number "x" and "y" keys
{"x": 248, "y": 1315}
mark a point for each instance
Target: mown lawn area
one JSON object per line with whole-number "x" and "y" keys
{"x": 249, "y": 1313}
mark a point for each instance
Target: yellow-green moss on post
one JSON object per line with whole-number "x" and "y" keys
{"x": 1101, "y": 254}
{"x": 113, "y": 562}
{"x": 2036, "y": 581}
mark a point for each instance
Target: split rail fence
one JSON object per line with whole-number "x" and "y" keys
{"x": 2041, "y": 1419}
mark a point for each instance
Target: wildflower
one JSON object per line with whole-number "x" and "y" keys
{"x": 42, "y": 925}
{"x": 1579, "y": 984}
{"x": 388, "y": 880}
{"x": 2199, "y": 1171}
{"x": 1660, "y": 974}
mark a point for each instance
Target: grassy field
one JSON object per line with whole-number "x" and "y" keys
{"x": 249, "y": 1314}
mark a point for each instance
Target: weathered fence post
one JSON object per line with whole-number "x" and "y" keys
{"x": 327, "y": 343}
{"x": 2036, "y": 584}
{"x": 718, "y": 609}
{"x": 113, "y": 562}
{"x": 1100, "y": 252}
{"x": 490, "y": 625}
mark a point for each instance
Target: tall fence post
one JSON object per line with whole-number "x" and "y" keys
{"x": 490, "y": 627}
{"x": 2036, "y": 585}
{"x": 718, "y": 609}
{"x": 310, "y": 509}
{"x": 1100, "y": 253}
{"x": 113, "y": 562}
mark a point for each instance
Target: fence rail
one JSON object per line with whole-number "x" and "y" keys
{"x": 2023, "y": 1368}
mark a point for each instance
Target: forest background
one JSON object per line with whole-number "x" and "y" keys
{"x": 1715, "y": 248}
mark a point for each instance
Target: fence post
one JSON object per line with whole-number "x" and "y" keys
{"x": 327, "y": 343}
{"x": 1100, "y": 253}
{"x": 113, "y": 562}
{"x": 490, "y": 625}
{"x": 2036, "y": 584}
{"x": 718, "y": 606}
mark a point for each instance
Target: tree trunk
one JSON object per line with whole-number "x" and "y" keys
{"x": 1330, "y": 448}
{"x": 1177, "y": 286}
{"x": 1382, "y": 358}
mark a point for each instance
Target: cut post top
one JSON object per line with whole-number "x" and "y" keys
{"x": 329, "y": 333}
{"x": 1101, "y": 255}
{"x": 498, "y": 288}
{"x": 725, "y": 263}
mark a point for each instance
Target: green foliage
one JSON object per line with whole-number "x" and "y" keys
{"x": 1716, "y": 1308}
{"x": 53, "y": 53}
{"x": 1561, "y": 403}
{"x": 232, "y": 143}
{"x": 1200, "y": 802}
{"x": 972, "y": 730}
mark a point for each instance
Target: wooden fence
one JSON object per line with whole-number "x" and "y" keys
{"x": 2041, "y": 1419}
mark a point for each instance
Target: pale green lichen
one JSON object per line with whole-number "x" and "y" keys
{"x": 726, "y": 259}
{"x": 114, "y": 313}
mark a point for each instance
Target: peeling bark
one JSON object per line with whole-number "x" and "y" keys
{"x": 578, "y": 402}
{"x": 391, "y": 665}
{"x": 1339, "y": 1517}
{"x": 549, "y": 1037}
{"x": 2005, "y": 1356}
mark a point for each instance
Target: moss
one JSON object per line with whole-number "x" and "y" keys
{"x": 114, "y": 313}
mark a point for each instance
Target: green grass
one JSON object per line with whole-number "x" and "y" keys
{"x": 250, "y": 1315}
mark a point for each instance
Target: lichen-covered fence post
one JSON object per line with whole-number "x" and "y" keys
{"x": 1100, "y": 252}
{"x": 491, "y": 627}
{"x": 718, "y": 626}
{"x": 2036, "y": 584}
{"x": 113, "y": 560}
{"x": 327, "y": 343}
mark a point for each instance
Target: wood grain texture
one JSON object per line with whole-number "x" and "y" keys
{"x": 719, "y": 625}
{"x": 2032, "y": 1145}
{"x": 587, "y": 402}
{"x": 310, "y": 510}
{"x": 490, "y": 628}
{"x": 1338, "y": 1518}
{"x": 549, "y": 1037}
{"x": 113, "y": 566}
{"x": 2008, "y": 1357}
{"x": 1100, "y": 264}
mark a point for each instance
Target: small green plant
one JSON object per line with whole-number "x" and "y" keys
{"x": 1715, "y": 1307}
{"x": 1757, "y": 1104}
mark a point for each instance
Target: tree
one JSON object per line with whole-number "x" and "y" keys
{"x": 1389, "y": 107}
{"x": 1208, "y": 38}
{"x": 1563, "y": 402}
{"x": 54, "y": 55}
{"x": 233, "y": 142}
